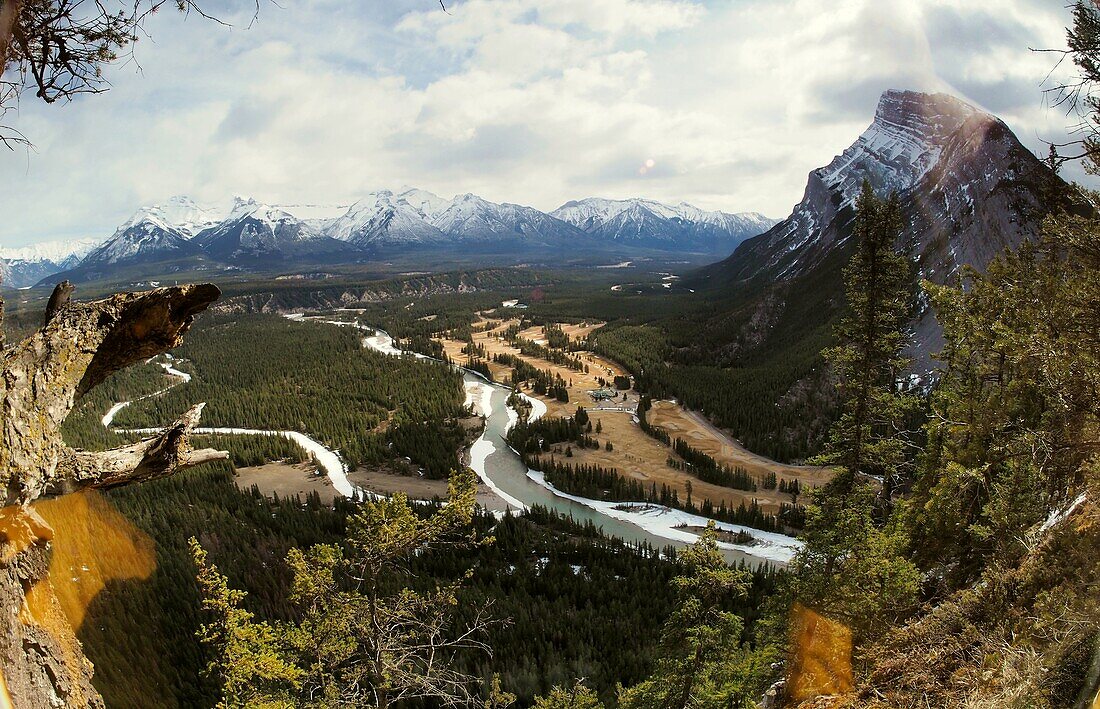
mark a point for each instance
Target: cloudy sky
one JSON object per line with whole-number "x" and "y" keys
{"x": 726, "y": 104}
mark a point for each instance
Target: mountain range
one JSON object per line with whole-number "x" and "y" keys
{"x": 24, "y": 266}
{"x": 180, "y": 235}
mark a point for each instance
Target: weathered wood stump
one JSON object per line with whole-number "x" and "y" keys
{"x": 41, "y": 378}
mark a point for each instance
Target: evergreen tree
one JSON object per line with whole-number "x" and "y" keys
{"x": 852, "y": 567}
{"x": 247, "y": 658}
{"x": 702, "y": 663}
{"x": 867, "y": 439}
{"x": 1009, "y": 438}
{"x": 358, "y": 641}
{"x": 576, "y": 697}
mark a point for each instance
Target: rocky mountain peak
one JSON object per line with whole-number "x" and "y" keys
{"x": 968, "y": 189}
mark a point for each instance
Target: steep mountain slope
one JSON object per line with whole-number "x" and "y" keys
{"x": 643, "y": 222}
{"x": 383, "y": 219}
{"x": 473, "y": 220}
{"x": 260, "y": 234}
{"x": 144, "y": 238}
{"x": 967, "y": 187}
{"x": 153, "y": 233}
{"x": 751, "y": 335}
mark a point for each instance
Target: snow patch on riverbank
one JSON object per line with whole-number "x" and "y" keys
{"x": 479, "y": 452}
{"x": 667, "y": 523}
{"x": 480, "y": 396}
{"x": 381, "y": 342}
{"x": 171, "y": 371}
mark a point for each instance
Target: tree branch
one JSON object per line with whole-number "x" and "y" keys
{"x": 80, "y": 346}
{"x": 156, "y": 457}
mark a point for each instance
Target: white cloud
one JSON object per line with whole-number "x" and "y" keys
{"x": 531, "y": 101}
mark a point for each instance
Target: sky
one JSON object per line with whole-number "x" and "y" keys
{"x": 725, "y": 104}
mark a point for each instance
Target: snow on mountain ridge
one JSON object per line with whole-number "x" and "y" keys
{"x": 179, "y": 213}
{"x": 382, "y": 218}
{"x": 56, "y": 251}
{"x": 578, "y": 212}
{"x": 904, "y": 141}
{"x": 272, "y": 217}
{"x": 652, "y": 223}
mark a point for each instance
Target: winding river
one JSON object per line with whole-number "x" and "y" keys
{"x": 502, "y": 470}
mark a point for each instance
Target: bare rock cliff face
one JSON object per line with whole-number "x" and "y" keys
{"x": 80, "y": 345}
{"x": 967, "y": 186}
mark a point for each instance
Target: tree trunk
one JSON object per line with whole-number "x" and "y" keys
{"x": 41, "y": 378}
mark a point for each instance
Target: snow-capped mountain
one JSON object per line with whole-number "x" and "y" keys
{"x": 967, "y": 188}
{"x": 180, "y": 214}
{"x": 383, "y": 219}
{"x": 645, "y": 222}
{"x": 256, "y": 235}
{"x": 143, "y": 238}
{"x": 471, "y": 219}
{"x": 155, "y": 232}
{"x": 60, "y": 251}
{"x": 21, "y": 273}
{"x": 24, "y": 266}
{"x": 254, "y": 232}
{"x": 425, "y": 202}
{"x": 412, "y": 218}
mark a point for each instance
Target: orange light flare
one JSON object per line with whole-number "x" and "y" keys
{"x": 92, "y": 545}
{"x": 821, "y": 662}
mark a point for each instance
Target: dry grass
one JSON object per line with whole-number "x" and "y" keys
{"x": 635, "y": 454}
{"x": 286, "y": 480}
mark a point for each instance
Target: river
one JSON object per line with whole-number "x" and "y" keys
{"x": 502, "y": 469}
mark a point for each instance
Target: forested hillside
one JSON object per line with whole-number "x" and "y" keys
{"x": 576, "y": 604}
{"x": 267, "y": 372}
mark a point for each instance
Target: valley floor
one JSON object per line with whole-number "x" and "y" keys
{"x": 634, "y": 453}
{"x": 289, "y": 479}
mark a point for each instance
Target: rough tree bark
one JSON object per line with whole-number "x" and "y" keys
{"x": 80, "y": 345}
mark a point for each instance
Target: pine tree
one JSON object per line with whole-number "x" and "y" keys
{"x": 701, "y": 663}
{"x": 852, "y": 567}
{"x": 868, "y": 440}
{"x": 576, "y": 697}
{"x": 1009, "y": 436}
{"x": 247, "y": 658}
{"x": 357, "y": 643}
